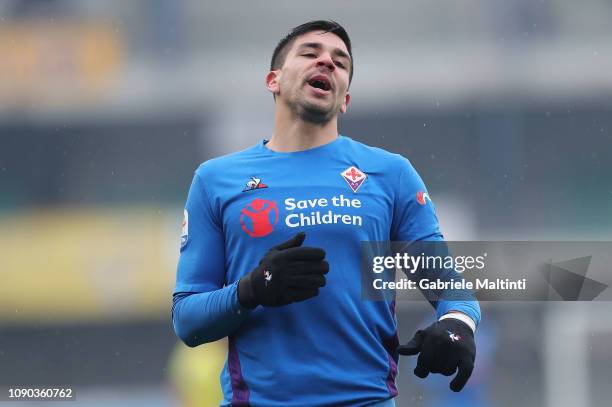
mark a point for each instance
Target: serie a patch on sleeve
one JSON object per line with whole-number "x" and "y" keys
{"x": 185, "y": 229}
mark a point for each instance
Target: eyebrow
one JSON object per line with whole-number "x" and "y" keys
{"x": 318, "y": 46}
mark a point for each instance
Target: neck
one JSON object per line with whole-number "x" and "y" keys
{"x": 292, "y": 133}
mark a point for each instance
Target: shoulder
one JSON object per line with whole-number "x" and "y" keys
{"x": 222, "y": 164}
{"x": 379, "y": 159}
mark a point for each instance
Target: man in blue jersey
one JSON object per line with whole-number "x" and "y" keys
{"x": 270, "y": 250}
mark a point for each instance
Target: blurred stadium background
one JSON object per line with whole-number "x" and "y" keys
{"x": 106, "y": 108}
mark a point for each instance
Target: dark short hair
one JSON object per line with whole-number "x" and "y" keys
{"x": 328, "y": 26}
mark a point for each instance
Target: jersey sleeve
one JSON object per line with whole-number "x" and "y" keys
{"x": 204, "y": 309}
{"x": 414, "y": 220}
{"x": 202, "y": 254}
{"x": 414, "y": 215}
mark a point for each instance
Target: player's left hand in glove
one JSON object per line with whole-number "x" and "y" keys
{"x": 444, "y": 347}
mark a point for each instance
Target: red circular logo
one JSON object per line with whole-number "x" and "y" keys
{"x": 258, "y": 212}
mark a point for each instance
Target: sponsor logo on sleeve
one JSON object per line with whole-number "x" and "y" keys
{"x": 185, "y": 228}
{"x": 422, "y": 197}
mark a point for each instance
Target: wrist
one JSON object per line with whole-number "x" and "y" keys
{"x": 246, "y": 296}
{"x": 461, "y": 317}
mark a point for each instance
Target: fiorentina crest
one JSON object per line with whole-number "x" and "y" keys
{"x": 353, "y": 177}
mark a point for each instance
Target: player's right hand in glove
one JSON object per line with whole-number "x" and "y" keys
{"x": 287, "y": 273}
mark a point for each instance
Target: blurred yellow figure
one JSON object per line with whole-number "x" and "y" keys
{"x": 194, "y": 373}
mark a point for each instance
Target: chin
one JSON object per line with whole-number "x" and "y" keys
{"x": 316, "y": 114}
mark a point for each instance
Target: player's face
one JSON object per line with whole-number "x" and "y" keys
{"x": 314, "y": 79}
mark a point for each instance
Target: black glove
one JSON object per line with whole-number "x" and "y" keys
{"x": 444, "y": 346}
{"x": 287, "y": 273}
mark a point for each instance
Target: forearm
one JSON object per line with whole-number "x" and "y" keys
{"x": 444, "y": 300}
{"x": 453, "y": 300}
{"x": 206, "y": 317}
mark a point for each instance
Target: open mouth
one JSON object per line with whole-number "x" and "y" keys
{"x": 320, "y": 82}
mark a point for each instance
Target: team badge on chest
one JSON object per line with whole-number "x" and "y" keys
{"x": 354, "y": 177}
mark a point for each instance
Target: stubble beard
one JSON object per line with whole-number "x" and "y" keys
{"x": 312, "y": 112}
{"x": 315, "y": 114}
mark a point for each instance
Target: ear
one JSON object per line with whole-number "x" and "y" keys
{"x": 272, "y": 81}
{"x": 347, "y": 99}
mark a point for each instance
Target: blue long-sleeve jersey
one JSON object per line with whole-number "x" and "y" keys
{"x": 334, "y": 349}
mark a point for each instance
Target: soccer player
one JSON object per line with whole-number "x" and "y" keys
{"x": 270, "y": 251}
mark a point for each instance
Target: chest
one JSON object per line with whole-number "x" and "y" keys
{"x": 342, "y": 202}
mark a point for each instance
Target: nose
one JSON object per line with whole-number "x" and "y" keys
{"x": 326, "y": 60}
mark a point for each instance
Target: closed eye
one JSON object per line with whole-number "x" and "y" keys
{"x": 340, "y": 64}
{"x": 309, "y": 55}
